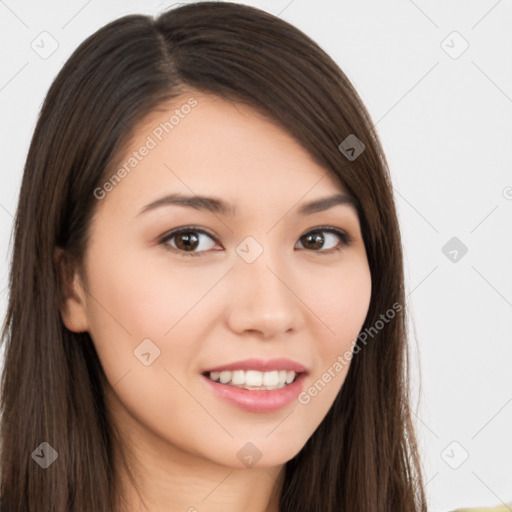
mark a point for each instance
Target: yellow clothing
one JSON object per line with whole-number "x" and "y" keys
{"x": 498, "y": 508}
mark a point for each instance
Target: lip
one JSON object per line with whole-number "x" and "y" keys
{"x": 261, "y": 365}
{"x": 259, "y": 401}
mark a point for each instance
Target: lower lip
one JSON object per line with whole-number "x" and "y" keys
{"x": 263, "y": 400}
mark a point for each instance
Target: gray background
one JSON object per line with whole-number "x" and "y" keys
{"x": 444, "y": 115}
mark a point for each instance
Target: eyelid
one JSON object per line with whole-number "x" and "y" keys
{"x": 186, "y": 229}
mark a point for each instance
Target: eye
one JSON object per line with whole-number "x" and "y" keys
{"x": 187, "y": 240}
{"x": 315, "y": 240}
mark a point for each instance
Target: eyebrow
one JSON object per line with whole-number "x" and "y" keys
{"x": 217, "y": 205}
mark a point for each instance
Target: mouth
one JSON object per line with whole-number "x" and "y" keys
{"x": 257, "y": 385}
{"x": 254, "y": 380}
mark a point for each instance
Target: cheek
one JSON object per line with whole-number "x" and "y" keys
{"x": 340, "y": 306}
{"x": 340, "y": 302}
{"x": 132, "y": 300}
{"x": 138, "y": 293}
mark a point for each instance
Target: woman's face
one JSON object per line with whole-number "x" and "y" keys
{"x": 265, "y": 282}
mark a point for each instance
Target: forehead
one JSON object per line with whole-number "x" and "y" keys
{"x": 203, "y": 144}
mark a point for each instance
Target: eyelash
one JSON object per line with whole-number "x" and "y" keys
{"x": 345, "y": 238}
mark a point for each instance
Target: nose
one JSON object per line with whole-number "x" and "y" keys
{"x": 262, "y": 297}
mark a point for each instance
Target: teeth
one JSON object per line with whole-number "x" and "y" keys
{"x": 252, "y": 379}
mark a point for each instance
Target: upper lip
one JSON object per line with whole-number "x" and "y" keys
{"x": 261, "y": 365}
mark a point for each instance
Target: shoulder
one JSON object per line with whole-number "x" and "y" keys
{"x": 499, "y": 508}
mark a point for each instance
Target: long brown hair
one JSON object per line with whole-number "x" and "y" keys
{"x": 363, "y": 456}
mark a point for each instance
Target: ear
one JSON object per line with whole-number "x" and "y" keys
{"x": 73, "y": 304}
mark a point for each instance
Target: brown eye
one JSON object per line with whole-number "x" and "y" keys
{"x": 187, "y": 241}
{"x": 315, "y": 240}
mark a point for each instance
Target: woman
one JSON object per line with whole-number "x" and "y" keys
{"x": 262, "y": 369}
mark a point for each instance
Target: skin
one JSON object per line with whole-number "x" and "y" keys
{"x": 292, "y": 301}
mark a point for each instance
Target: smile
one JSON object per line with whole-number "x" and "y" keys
{"x": 253, "y": 379}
